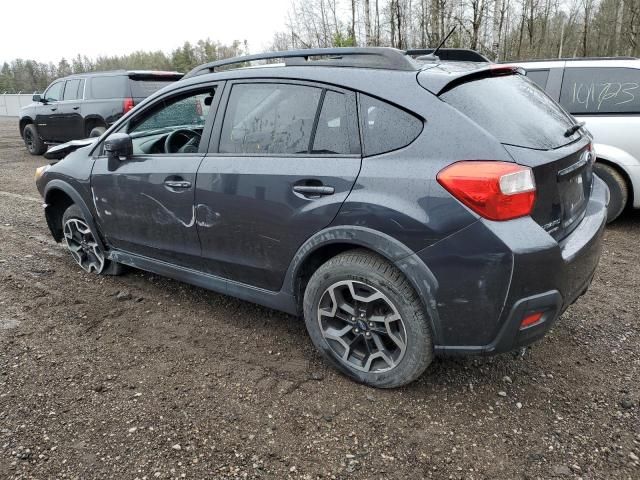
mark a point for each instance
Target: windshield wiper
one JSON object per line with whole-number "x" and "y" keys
{"x": 573, "y": 129}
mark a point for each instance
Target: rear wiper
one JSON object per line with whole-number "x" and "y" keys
{"x": 573, "y": 129}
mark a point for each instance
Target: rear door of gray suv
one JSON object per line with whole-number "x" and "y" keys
{"x": 285, "y": 157}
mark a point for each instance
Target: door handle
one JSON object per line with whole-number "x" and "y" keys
{"x": 76, "y": 108}
{"x": 177, "y": 183}
{"x": 314, "y": 190}
{"x": 54, "y": 109}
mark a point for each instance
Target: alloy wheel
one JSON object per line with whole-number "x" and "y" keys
{"x": 362, "y": 326}
{"x": 83, "y": 246}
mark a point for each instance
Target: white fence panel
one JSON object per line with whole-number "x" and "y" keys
{"x": 11, "y": 103}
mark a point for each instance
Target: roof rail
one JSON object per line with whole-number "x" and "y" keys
{"x": 568, "y": 59}
{"x": 451, "y": 54}
{"x": 363, "y": 57}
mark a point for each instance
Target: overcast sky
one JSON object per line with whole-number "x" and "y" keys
{"x": 48, "y": 30}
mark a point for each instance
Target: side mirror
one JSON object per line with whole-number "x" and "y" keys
{"x": 118, "y": 146}
{"x": 36, "y": 98}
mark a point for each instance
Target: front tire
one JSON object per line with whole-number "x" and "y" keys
{"x": 33, "y": 142}
{"x": 367, "y": 321}
{"x": 618, "y": 189}
{"x": 96, "y": 132}
{"x": 82, "y": 245}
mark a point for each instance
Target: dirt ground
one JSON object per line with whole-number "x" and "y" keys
{"x": 143, "y": 377}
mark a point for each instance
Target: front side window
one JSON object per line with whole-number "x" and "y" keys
{"x": 601, "y": 90}
{"x": 54, "y": 93}
{"x": 173, "y": 125}
{"x": 269, "y": 118}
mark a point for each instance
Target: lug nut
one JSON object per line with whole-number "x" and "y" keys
{"x": 362, "y": 315}
{"x": 367, "y": 334}
{"x": 356, "y": 330}
{"x": 371, "y": 324}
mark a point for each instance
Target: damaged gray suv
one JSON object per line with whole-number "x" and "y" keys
{"x": 404, "y": 207}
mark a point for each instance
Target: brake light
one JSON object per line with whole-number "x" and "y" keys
{"x": 502, "y": 69}
{"x": 494, "y": 190}
{"x": 127, "y": 104}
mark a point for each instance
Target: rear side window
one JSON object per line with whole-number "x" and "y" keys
{"x": 71, "y": 90}
{"x": 385, "y": 127}
{"x": 144, "y": 88}
{"x": 109, "y": 87}
{"x": 539, "y": 77}
{"x": 601, "y": 90}
{"x": 513, "y": 110}
{"x": 337, "y": 130}
{"x": 269, "y": 118}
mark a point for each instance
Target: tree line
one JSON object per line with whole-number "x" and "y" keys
{"x": 29, "y": 76}
{"x": 501, "y": 29}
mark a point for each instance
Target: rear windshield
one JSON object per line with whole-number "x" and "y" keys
{"x": 144, "y": 88}
{"x": 514, "y": 110}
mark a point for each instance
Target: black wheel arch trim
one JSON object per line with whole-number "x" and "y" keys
{"x": 416, "y": 271}
{"x": 57, "y": 184}
{"x": 23, "y": 122}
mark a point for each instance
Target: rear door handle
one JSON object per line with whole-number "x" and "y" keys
{"x": 76, "y": 108}
{"x": 177, "y": 183}
{"x": 314, "y": 189}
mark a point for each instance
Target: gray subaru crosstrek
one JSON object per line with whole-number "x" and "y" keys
{"x": 404, "y": 207}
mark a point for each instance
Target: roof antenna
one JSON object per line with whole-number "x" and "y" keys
{"x": 433, "y": 56}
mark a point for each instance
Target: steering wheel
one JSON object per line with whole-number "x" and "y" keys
{"x": 189, "y": 144}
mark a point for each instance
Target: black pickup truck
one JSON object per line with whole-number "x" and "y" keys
{"x": 85, "y": 105}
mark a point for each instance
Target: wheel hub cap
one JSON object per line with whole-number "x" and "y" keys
{"x": 83, "y": 247}
{"x": 361, "y": 326}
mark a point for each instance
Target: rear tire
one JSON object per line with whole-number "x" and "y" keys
{"x": 97, "y": 131}
{"x": 83, "y": 246}
{"x": 618, "y": 189}
{"x": 33, "y": 142}
{"x": 381, "y": 335}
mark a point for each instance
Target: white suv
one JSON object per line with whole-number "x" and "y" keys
{"x": 605, "y": 94}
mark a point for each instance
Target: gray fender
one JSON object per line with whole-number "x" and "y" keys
{"x": 58, "y": 184}
{"x": 416, "y": 271}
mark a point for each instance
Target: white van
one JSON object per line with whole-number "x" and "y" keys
{"x": 605, "y": 94}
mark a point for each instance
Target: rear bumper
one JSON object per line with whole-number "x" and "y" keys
{"x": 500, "y": 272}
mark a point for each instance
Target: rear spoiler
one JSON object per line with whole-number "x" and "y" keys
{"x": 442, "y": 77}
{"x": 154, "y": 75}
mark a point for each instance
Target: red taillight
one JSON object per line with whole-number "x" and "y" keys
{"x": 494, "y": 190}
{"x": 127, "y": 104}
{"x": 530, "y": 320}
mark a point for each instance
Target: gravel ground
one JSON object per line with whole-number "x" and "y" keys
{"x": 143, "y": 377}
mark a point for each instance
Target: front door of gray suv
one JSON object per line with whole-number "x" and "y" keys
{"x": 145, "y": 203}
{"x": 287, "y": 157}
{"x": 49, "y": 113}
